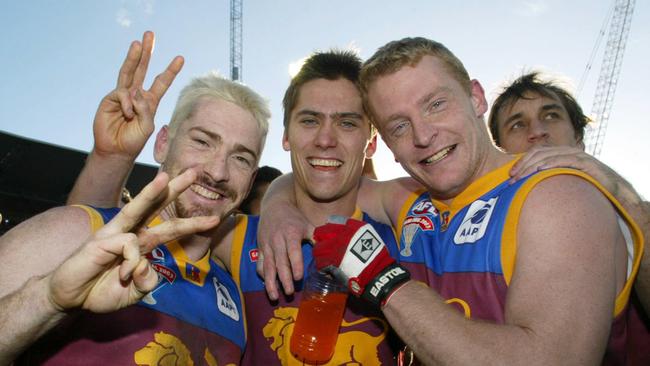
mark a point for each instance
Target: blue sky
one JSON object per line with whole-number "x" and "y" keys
{"x": 59, "y": 58}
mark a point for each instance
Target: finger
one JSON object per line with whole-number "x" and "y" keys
{"x": 145, "y": 278}
{"x": 294, "y": 251}
{"x": 124, "y": 99}
{"x": 133, "y": 213}
{"x": 131, "y": 255}
{"x": 283, "y": 268}
{"x": 125, "y": 77}
{"x": 270, "y": 282}
{"x": 259, "y": 264}
{"x": 296, "y": 262}
{"x": 174, "y": 189}
{"x": 174, "y": 229}
{"x": 140, "y": 73}
{"x": 145, "y": 122}
{"x": 163, "y": 81}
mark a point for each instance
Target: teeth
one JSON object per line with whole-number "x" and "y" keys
{"x": 439, "y": 155}
{"x": 201, "y": 191}
{"x": 325, "y": 162}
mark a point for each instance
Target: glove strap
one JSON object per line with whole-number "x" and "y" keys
{"x": 387, "y": 281}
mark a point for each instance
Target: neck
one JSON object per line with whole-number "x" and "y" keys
{"x": 317, "y": 212}
{"x": 493, "y": 158}
{"x": 195, "y": 245}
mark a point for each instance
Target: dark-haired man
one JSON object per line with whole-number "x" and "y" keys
{"x": 536, "y": 115}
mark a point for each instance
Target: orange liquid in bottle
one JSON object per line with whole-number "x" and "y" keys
{"x": 317, "y": 327}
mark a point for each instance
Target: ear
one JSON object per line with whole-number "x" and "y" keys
{"x": 478, "y": 98}
{"x": 162, "y": 145}
{"x": 372, "y": 147}
{"x": 285, "y": 140}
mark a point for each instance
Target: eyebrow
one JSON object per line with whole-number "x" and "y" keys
{"x": 309, "y": 112}
{"x": 422, "y": 101}
{"x": 547, "y": 107}
{"x": 218, "y": 138}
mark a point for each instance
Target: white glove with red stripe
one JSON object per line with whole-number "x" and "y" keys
{"x": 355, "y": 254}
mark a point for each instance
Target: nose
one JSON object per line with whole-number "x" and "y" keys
{"x": 537, "y": 132}
{"x": 326, "y": 136}
{"x": 216, "y": 167}
{"x": 423, "y": 133}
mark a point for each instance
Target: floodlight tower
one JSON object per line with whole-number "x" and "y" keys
{"x": 236, "y": 40}
{"x": 619, "y": 29}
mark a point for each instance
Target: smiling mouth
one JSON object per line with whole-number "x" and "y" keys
{"x": 439, "y": 155}
{"x": 328, "y": 163}
{"x": 204, "y": 192}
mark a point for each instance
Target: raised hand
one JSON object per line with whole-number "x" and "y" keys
{"x": 124, "y": 119}
{"x": 110, "y": 271}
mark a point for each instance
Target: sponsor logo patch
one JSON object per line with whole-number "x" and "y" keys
{"x": 425, "y": 207}
{"x": 192, "y": 272}
{"x": 410, "y": 228}
{"x": 475, "y": 222}
{"x": 165, "y": 272}
{"x": 254, "y": 254}
{"x": 365, "y": 246}
{"x": 156, "y": 255}
{"x": 225, "y": 303}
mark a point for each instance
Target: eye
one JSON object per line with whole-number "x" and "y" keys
{"x": 244, "y": 161}
{"x": 399, "y": 129}
{"x": 435, "y": 105}
{"x": 308, "y": 122}
{"x": 552, "y": 115}
{"x": 348, "y": 123}
{"x": 200, "y": 142}
{"x": 517, "y": 125}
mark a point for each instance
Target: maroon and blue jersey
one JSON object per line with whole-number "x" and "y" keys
{"x": 364, "y": 336}
{"x": 466, "y": 250}
{"x": 193, "y": 316}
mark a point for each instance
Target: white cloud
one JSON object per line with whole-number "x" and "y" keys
{"x": 531, "y": 8}
{"x": 295, "y": 66}
{"x": 147, "y": 6}
{"x": 123, "y": 18}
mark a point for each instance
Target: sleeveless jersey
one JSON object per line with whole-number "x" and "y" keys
{"x": 193, "y": 316}
{"x": 364, "y": 334}
{"x": 466, "y": 251}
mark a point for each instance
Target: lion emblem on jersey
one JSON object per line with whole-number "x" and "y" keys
{"x": 351, "y": 346}
{"x": 167, "y": 350}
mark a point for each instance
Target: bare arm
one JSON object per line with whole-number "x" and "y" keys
{"x": 621, "y": 189}
{"x": 107, "y": 273}
{"x": 547, "y": 320}
{"x": 280, "y": 233}
{"x": 383, "y": 200}
{"x": 122, "y": 126}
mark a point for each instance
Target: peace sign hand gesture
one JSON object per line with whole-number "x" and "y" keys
{"x": 124, "y": 119}
{"x": 110, "y": 271}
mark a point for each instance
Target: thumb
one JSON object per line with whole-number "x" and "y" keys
{"x": 144, "y": 277}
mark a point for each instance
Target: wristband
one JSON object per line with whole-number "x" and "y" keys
{"x": 388, "y": 280}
